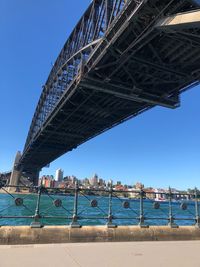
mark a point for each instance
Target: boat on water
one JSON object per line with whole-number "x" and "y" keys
{"x": 160, "y": 199}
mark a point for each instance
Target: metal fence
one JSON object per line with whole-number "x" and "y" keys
{"x": 38, "y": 206}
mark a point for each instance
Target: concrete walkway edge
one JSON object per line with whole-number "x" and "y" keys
{"x": 13, "y": 235}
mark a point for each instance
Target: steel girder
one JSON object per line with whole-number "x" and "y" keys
{"x": 115, "y": 65}
{"x": 85, "y": 36}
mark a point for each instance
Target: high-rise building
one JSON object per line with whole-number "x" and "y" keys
{"x": 47, "y": 181}
{"x": 110, "y": 183}
{"x": 100, "y": 182}
{"x": 73, "y": 179}
{"x": 59, "y": 175}
{"x": 94, "y": 180}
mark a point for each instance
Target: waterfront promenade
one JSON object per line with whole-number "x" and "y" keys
{"x": 134, "y": 254}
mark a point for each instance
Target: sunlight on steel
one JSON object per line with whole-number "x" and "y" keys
{"x": 185, "y": 20}
{"x": 115, "y": 65}
{"x": 76, "y": 50}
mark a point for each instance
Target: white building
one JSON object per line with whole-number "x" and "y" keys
{"x": 94, "y": 180}
{"x": 59, "y": 175}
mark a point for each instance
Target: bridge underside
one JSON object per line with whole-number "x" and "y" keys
{"x": 140, "y": 62}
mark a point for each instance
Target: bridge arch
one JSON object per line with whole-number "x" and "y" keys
{"x": 115, "y": 64}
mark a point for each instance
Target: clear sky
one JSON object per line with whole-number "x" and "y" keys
{"x": 159, "y": 148}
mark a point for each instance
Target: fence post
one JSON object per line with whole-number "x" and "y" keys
{"x": 197, "y": 218}
{"x": 142, "y": 217}
{"x": 171, "y": 218}
{"x": 74, "y": 223}
{"x": 36, "y": 223}
{"x": 110, "y": 216}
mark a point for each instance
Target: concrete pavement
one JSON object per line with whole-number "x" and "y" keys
{"x": 134, "y": 254}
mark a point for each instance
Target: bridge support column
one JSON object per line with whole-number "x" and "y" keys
{"x": 16, "y": 174}
{"x": 15, "y": 177}
{"x": 34, "y": 176}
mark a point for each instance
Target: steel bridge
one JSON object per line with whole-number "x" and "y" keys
{"x": 122, "y": 58}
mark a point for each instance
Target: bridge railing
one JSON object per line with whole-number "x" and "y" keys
{"x": 39, "y": 206}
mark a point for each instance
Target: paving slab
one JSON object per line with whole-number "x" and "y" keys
{"x": 119, "y": 254}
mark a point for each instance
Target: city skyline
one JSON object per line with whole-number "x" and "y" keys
{"x": 95, "y": 179}
{"x": 160, "y": 147}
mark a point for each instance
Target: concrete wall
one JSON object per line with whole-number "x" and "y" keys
{"x": 64, "y": 234}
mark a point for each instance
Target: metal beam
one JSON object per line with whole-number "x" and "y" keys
{"x": 120, "y": 36}
{"x": 64, "y": 134}
{"x": 132, "y": 94}
{"x": 157, "y": 66}
{"x": 180, "y": 21}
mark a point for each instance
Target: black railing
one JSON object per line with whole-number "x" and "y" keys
{"x": 37, "y": 206}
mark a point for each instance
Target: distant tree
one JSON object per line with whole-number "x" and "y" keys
{"x": 190, "y": 191}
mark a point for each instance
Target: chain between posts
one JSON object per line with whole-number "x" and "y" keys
{"x": 36, "y": 223}
{"x": 75, "y": 223}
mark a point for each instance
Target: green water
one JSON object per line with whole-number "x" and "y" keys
{"x": 87, "y": 214}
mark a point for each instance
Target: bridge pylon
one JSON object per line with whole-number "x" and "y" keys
{"x": 16, "y": 173}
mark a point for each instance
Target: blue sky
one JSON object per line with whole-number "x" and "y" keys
{"x": 159, "y": 148}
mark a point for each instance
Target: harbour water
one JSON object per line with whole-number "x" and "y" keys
{"x": 54, "y": 212}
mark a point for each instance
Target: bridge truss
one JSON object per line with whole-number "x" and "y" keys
{"x": 118, "y": 62}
